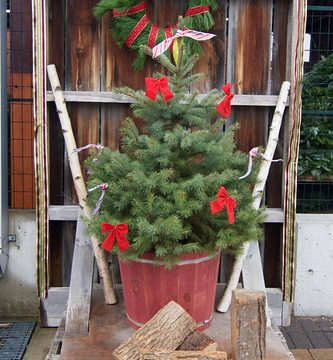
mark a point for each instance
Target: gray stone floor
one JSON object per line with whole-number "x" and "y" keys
{"x": 308, "y": 336}
{"x": 309, "y": 333}
{"x": 40, "y": 343}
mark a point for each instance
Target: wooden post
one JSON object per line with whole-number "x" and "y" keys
{"x": 273, "y": 139}
{"x": 166, "y": 330}
{"x": 80, "y": 187}
{"x": 248, "y": 325}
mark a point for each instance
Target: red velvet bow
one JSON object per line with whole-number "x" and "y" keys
{"x": 217, "y": 205}
{"x": 116, "y": 232}
{"x": 224, "y": 107}
{"x": 153, "y": 85}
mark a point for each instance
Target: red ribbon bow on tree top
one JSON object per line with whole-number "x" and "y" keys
{"x": 217, "y": 205}
{"x": 224, "y": 107}
{"x": 153, "y": 85}
{"x": 117, "y": 232}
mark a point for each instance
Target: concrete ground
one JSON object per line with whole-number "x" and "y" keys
{"x": 40, "y": 343}
{"x": 307, "y": 338}
{"x": 310, "y": 338}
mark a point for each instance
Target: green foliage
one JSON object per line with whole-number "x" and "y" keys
{"x": 162, "y": 181}
{"x": 121, "y": 26}
{"x": 316, "y": 143}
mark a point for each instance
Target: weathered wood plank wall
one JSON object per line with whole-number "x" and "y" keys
{"x": 279, "y": 73}
{"x": 89, "y": 59}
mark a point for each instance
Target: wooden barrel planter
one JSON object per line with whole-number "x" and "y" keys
{"x": 148, "y": 285}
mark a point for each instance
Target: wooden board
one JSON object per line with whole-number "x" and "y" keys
{"x": 246, "y": 71}
{"x": 69, "y": 213}
{"x": 56, "y": 56}
{"x": 78, "y": 307}
{"x": 274, "y": 193}
{"x": 83, "y": 59}
{"x": 110, "y": 97}
{"x": 212, "y": 64}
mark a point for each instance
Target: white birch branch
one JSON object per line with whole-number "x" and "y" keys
{"x": 273, "y": 138}
{"x": 79, "y": 184}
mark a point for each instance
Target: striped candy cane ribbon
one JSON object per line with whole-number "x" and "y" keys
{"x": 182, "y": 32}
{"x": 253, "y": 153}
{"x": 89, "y": 146}
{"x": 103, "y": 187}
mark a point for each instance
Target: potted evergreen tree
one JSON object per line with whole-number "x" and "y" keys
{"x": 172, "y": 198}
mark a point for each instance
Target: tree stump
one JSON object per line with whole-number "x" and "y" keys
{"x": 248, "y": 325}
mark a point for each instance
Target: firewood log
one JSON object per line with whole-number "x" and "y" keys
{"x": 166, "y": 330}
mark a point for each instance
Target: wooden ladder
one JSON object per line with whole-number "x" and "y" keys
{"x": 79, "y": 298}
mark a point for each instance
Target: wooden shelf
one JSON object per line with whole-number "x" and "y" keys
{"x": 69, "y": 213}
{"x": 109, "y": 97}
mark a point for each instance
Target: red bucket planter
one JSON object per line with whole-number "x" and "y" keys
{"x": 191, "y": 282}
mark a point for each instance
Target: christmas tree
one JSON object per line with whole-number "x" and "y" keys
{"x": 175, "y": 184}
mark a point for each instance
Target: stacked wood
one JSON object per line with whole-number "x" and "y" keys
{"x": 166, "y": 330}
{"x": 248, "y": 325}
{"x": 146, "y": 354}
{"x": 198, "y": 341}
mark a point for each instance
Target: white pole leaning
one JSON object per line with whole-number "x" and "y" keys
{"x": 80, "y": 187}
{"x": 273, "y": 139}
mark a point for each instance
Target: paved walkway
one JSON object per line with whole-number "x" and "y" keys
{"x": 310, "y": 338}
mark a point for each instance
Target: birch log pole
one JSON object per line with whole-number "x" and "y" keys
{"x": 273, "y": 138}
{"x": 80, "y": 187}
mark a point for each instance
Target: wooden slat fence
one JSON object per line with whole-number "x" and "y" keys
{"x": 90, "y": 64}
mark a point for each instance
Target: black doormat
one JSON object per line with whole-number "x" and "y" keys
{"x": 14, "y": 338}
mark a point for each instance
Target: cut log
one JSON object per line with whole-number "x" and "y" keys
{"x": 198, "y": 341}
{"x": 248, "y": 325}
{"x": 166, "y": 330}
{"x": 146, "y": 354}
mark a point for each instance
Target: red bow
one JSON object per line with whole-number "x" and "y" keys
{"x": 224, "y": 107}
{"x": 153, "y": 85}
{"x": 217, "y": 205}
{"x": 116, "y": 232}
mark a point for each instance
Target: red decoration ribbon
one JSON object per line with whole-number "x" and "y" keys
{"x": 217, "y": 205}
{"x": 196, "y": 10}
{"x": 153, "y": 85}
{"x": 224, "y": 107}
{"x": 168, "y": 33}
{"x": 137, "y": 30}
{"x": 133, "y": 10}
{"x": 117, "y": 232}
{"x": 152, "y": 36}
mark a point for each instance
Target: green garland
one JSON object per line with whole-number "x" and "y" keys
{"x": 122, "y": 26}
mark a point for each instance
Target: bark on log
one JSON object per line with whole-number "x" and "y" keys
{"x": 80, "y": 187}
{"x": 166, "y": 330}
{"x": 248, "y": 325}
{"x": 146, "y": 354}
{"x": 198, "y": 341}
